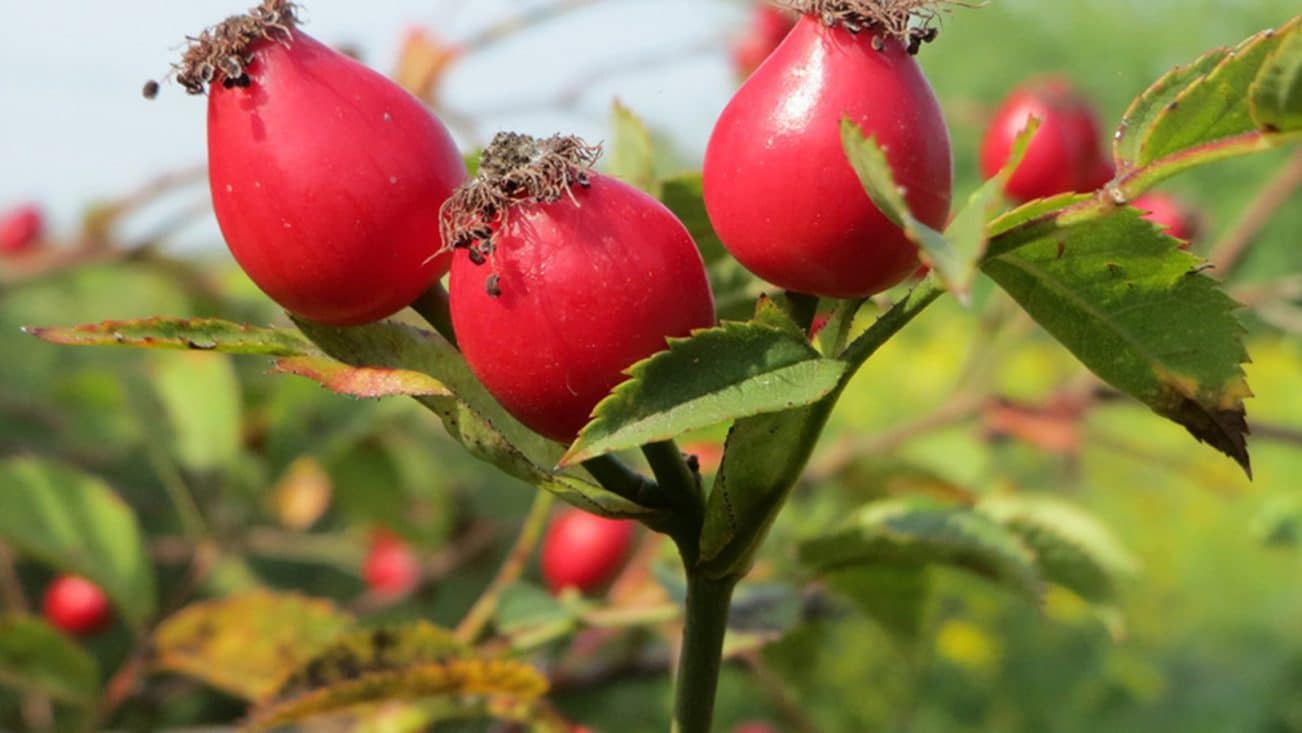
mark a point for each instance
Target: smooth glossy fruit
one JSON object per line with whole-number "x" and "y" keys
{"x": 1169, "y": 213}
{"x": 585, "y": 551}
{"x": 1067, "y": 152}
{"x": 391, "y": 567}
{"x": 575, "y": 291}
{"x": 768, "y": 26}
{"x": 327, "y": 179}
{"x": 778, "y": 187}
{"x": 20, "y": 229}
{"x": 76, "y": 605}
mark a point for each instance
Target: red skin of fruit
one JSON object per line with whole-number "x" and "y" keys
{"x": 1169, "y": 213}
{"x": 586, "y": 291}
{"x": 778, "y": 188}
{"x": 768, "y": 26}
{"x": 585, "y": 551}
{"x": 20, "y": 229}
{"x": 391, "y": 568}
{"x": 1066, "y": 153}
{"x": 327, "y": 180}
{"x": 76, "y": 606}
{"x": 754, "y": 727}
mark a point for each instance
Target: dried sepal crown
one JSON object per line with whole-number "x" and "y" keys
{"x": 221, "y": 54}
{"x": 912, "y": 22}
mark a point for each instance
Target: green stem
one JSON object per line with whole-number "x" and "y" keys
{"x": 681, "y": 487}
{"x": 432, "y": 305}
{"x": 477, "y": 618}
{"x": 702, "y": 654}
{"x": 614, "y": 476}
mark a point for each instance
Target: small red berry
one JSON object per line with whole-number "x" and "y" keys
{"x": 326, "y": 177}
{"x": 20, "y": 229}
{"x": 1169, "y": 213}
{"x": 768, "y": 26}
{"x": 555, "y": 292}
{"x": 755, "y": 727}
{"x": 778, "y": 187}
{"x": 76, "y": 606}
{"x": 1067, "y": 152}
{"x": 585, "y": 551}
{"x": 391, "y": 568}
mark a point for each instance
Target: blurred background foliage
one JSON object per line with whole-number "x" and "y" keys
{"x": 222, "y": 463}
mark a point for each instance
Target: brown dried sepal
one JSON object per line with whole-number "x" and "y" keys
{"x": 912, "y": 22}
{"x": 514, "y": 170}
{"x": 221, "y": 53}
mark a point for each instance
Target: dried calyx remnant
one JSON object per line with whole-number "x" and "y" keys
{"x": 514, "y": 170}
{"x": 912, "y": 22}
{"x": 221, "y": 53}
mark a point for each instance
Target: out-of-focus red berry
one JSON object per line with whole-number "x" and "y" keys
{"x": 755, "y": 726}
{"x": 585, "y": 551}
{"x": 1171, "y": 214}
{"x": 768, "y": 26}
{"x": 76, "y": 606}
{"x": 21, "y": 228}
{"x": 391, "y": 568}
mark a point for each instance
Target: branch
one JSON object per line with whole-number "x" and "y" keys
{"x": 1229, "y": 252}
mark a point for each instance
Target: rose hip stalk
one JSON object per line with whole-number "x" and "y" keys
{"x": 562, "y": 278}
{"x": 778, "y": 187}
{"x": 326, "y": 177}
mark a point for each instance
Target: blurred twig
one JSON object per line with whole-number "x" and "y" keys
{"x": 1228, "y": 253}
{"x": 481, "y": 613}
{"x": 778, "y": 694}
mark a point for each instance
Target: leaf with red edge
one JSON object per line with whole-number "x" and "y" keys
{"x": 205, "y": 334}
{"x": 364, "y": 382}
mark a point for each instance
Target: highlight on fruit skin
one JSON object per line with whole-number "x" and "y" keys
{"x": 326, "y": 176}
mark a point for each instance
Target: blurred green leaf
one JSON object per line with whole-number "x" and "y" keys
{"x": 77, "y": 524}
{"x": 363, "y": 382}
{"x": 207, "y": 334}
{"x": 34, "y": 657}
{"x": 200, "y": 394}
{"x": 736, "y": 370}
{"x": 1135, "y": 309}
{"x": 734, "y": 287}
{"x": 246, "y": 644}
{"x": 894, "y": 596}
{"x": 524, "y": 606}
{"x": 632, "y": 156}
{"x": 1277, "y": 91}
{"x": 912, "y": 532}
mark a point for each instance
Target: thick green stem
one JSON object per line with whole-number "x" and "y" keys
{"x": 701, "y": 657}
{"x": 433, "y": 306}
{"x": 681, "y": 488}
{"x": 614, "y": 476}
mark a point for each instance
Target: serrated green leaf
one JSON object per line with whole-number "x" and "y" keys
{"x": 74, "y": 522}
{"x": 1214, "y": 106}
{"x": 1145, "y": 108}
{"x": 207, "y": 334}
{"x": 1133, "y": 308}
{"x": 414, "y": 662}
{"x": 870, "y": 164}
{"x": 1032, "y": 210}
{"x": 632, "y": 155}
{"x": 734, "y": 371}
{"x": 34, "y": 657}
{"x": 913, "y": 531}
{"x": 1071, "y": 547}
{"x": 200, "y": 395}
{"x": 1277, "y": 90}
{"x": 246, "y": 644}
{"x": 363, "y": 382}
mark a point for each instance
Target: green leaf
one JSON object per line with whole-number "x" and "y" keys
{"x": 734, "y": 286}
{"x": 1071, "y": 547}
{"x": 245, "y": 644}
{"x": 416, "y": 662}
{"x": 472, "y": 417}
{"x": 524, "y": 606}
{"x": 915, "y": 531}
{"x": 194, "y": 335}
{"x": 736, "y": 370}
{"x": 364, "y": 382}
{"x": 870, "y": 164}
{"x": 1277, "y": 90}
{"x": 894, "y": 596}
{"x": 632, "y": 155}
{"x": 1215, "y": 105}
{"x": 1146, "y": 108}
{"x": 1133, "y": 308}
{"x": 200, "y": 394}
{"x": 74, "y": 522}
{"x": 34, "y": 657}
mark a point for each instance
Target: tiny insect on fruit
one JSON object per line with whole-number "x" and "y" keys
{"x": 1067, "y": 153}
{"x": 581, "y": 277}
{"x": 391, "y": 568}
{"x": 21, "y": 229}
{"x": 585, "y": 551}
{"x": 778, "y": 187}
{"x": 76, "y": 606}
{"x": 326, "y": 177}
{"x": 768, "y": 26}
{"x": 1171, "y": 214}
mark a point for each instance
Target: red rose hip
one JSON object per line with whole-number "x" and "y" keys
{"x": 391, "y": 568}
{"x": 1169, "y": 213}
{"x": 768, "y": 26}
{"x": 585, "y": 551}
{"x": 778, "y": 187}
{"x": 563, "y": 278}
{"x": 326, "y": 177}
{"x": 20, "y": 229}
{"x": 76, "y": 606}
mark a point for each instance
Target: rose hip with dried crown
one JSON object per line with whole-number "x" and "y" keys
{"x": 585, "y": 551}
{"x": 778, "y": 187}
{"x": 562, "y": 278}
{"x": 76, "y": 606}
{"x": 326, "y": 176}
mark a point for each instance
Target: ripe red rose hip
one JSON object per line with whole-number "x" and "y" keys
{"x": 768, "y": 26}
{"x": 585, "y": 551}
{"x": 1169, "y": 213}
{"x": 1067, "y": 153}
{"x": 326, "y": 177}
{"x": 755, "y": 727}
{"x": 20, "y": 229}
{"x": 76, "y": 606}
{"x": 778, "y": 187}
{"x": 563, "y": 278}
{"x": 391, "y": 568}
